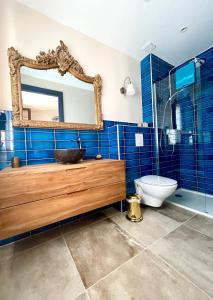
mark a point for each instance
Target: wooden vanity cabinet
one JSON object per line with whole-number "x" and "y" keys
{"x": 34, "y": 196}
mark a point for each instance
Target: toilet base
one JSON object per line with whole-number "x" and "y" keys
{"x": 151, "y": 201}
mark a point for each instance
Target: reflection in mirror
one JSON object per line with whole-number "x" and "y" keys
{"x": 49, "y": 96}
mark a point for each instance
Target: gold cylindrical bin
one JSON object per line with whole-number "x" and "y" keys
{"x": 134, "y": 208}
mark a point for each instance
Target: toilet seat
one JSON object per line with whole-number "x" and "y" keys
{"x": 158, "y": 180}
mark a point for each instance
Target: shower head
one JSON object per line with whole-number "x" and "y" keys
{"x": 199, "y": 62}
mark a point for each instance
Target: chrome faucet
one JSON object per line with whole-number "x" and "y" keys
{"x": 79, "y": 142}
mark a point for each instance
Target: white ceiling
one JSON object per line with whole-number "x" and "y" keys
{"x": 127, "y": 25}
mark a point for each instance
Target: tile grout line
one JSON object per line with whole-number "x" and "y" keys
{"x": 26, "y": 250}
{"x": 147, "y": 248}
{"x": 88, "y": 296}
{"x": 168, "y": 264}
{"x": 143, "y": 249}
{"x": 140, "y": 251}
{"x": 182, "y": 223}
{"x": 180, "y": 273}
{"x": 197, "y": 230}
{"x": 70, "y": 254}
{"x": 104, "y": 277}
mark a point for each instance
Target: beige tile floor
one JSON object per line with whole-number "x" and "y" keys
{"x": 169, "y": 255}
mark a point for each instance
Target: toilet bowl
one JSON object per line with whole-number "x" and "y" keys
{"x": 155, "y": 189}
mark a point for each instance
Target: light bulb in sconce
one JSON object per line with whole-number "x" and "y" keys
{"x": 127, "y": 88}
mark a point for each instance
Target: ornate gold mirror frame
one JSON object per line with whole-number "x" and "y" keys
{"x": 61, "y": 60}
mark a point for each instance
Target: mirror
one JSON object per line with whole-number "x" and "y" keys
{"x": 53, "y": 91}
{"x": 51, "y": 97}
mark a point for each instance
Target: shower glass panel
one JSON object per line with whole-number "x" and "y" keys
{"x": 182, "y": 139}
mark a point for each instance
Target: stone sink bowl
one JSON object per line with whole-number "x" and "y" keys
{"x": 69, "y": 156}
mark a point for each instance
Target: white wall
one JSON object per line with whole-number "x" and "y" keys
{"x": 30, "y": 32}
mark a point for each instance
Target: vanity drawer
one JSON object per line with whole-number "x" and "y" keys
{"x": 26, "y": 217}
{"x": 35, "y": 183}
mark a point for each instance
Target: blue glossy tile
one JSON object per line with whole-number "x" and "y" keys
{"x": 90, "y": 144}
{"x": 103, "y": 137}
{"x": 113, "y": 136}
{"x": 6, "y": 156}
{"x": 40, "y": 154}
{"x": 131, "y": 129}
{"x": 105, "y": 156}
{"x": 130, "y": 187}
{"x": 66, "y": 136}
{"x": 103, "y": 150}
{"x": 66, "y": 144}
{"x": 132, "y": 163}
{"x": 103, "y": 143}
{"x": 113, "y": 156}
{"x": 131, "y": 149}
{"x": 132, "y": 176}
{"x": 40, "y": 145}
{"x": 132, "y": 156}
{"x": 113, "y": 143}
{"x": 21, "y": 154}
{"x": 88, "y": 136}
{"x": 122, "y": 143}
{"x": 108, "y": 123}
{"x": 92, "y": 151}
{"x": 4, "y": 164}
{"x": 18, "y": 134}
{"x": 45, "y": 135}
{"x": 113, "y": 150}
{"x": 40, "y": 161}
{"x": 129, "y": 135}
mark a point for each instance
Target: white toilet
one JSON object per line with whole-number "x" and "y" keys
{"x": 155, "y": 189}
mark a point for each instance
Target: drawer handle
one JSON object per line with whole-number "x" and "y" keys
{"x": 75, "y": 169}
{"x": 72, "y": 193}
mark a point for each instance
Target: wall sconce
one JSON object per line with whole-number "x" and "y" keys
{"x": 127, "y": 88}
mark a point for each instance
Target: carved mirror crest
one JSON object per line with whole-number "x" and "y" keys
{"x": 53, "y": 91}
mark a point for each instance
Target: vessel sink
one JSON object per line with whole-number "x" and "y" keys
{"x": 69, "y": 156}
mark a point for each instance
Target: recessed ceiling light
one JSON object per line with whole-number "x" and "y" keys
{"x": 184, "y": 29}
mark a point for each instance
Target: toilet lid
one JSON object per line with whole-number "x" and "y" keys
{"x": 158, "y": 180}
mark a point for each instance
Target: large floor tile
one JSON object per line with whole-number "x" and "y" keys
{"x": 111, "y": 211}
{"x": 83, "y": 296}
{"x": 84, "y": 221}
{"x": 44, "y": 272}
{"x": 202, "y": 224}
{"x": 191, "y": 253}
{"x": 153, "y": 226}
{"x": 174, "y": 212}
{"x": 100, "y": 248}
{"x": 145, "y": 277}
{"x": 16, "y": 248}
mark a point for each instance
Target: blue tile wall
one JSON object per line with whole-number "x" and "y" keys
{"x": 139, "y": 160}
{"x": 146, "y": 84}
{"x": 191, "y": 160}
{"x": 153, "y": 69}
{"x": 37, "y": 145}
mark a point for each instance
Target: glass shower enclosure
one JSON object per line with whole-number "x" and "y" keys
{"x": 183, "y": 121}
